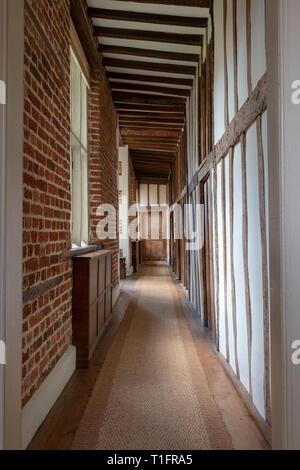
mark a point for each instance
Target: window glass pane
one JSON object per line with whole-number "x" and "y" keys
{"x": 84, "y": 196}
{"x": 84, "y": 111}
{"x": 75, "y": 98}
{"x": 76, "y": 192}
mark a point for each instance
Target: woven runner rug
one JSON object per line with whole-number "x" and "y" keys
{"x": 152, "y": 392}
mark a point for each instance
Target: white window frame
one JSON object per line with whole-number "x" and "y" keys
{"x": 80, "y": 163}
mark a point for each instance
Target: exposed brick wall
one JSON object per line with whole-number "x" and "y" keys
{"x": 47, "y": 281}
{"x": 103, "y": 160}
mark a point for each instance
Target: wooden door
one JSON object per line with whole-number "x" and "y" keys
{"x": 154, "y": 246}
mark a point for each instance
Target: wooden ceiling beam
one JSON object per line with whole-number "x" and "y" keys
{"x": 153, "y": 142}
{"x": 149, "y": 152}
{"x": 151, "y": 108}
{"x": 155, "y": 157}
{"x": 151, "y": 126}
{"x": 151, "y": 139}
{"x": 112, "y": 76}
{"x": 167, "y": 143}
{"x": 152, "y": 146}
{"x": 153, "y": 36}
{"x": 149, "y": 66}
{"x": 182, "y": 3}
{"x": 175, "y": 120}
{"x": 149, "y": 89}
{"x": 166, "y": 161}
{"x": 84, "y": 31}
{"x": 133, "y": 16}
{"x": 150, "y": 133}
{"x": 139, "y": 98}
{"x": 133, "y": 114}
{"x": 152, "y": 164}
{"x": 152, "y": 178}
{"x": 134, "y": 51}
{"x": 145, "y": 180}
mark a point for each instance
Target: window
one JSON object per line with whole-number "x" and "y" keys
{"x": 79, "y": 150}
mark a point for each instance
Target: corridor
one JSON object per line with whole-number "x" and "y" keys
{"x": 149, "y": 253}
{"x": 154, "y": 385}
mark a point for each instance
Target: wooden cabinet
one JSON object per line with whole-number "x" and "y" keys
{"x": 92, "y": 301}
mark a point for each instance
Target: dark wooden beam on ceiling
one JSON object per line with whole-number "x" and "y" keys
{"x": 149, "y": 89}
{"x": 136, "y": 148}
{"x": 151, "y": 109}
{"x": 150, "y": 126}
{"x": 153, "y": 145}
{"x": 143, "y": 154}
{"x": 150, "y": 133}
{"x": 149, "y": 141}
{"x": 124, "y": 97}
{"x": 152, "y": 179}
{"x": 168, "y": 138}
{"x": 172, "y": 122}
{"x": 171, "y": 149}
{"x": 133, "y": 114}
{"x": 134, "y": 51}
{"x": 149, "y": 173}
{"x": 145, "y": 180}
{"x": 152, "y": 164}
{"x": 149, "y": 78}
{"x": 138, "y": 142}
{"x": 153, "y": 36}
{"x": 181, "y": 3}
{"x": 84, "y": 30}
{"x": 149, "y": 66}
{"x": 133, "y": 16}
{"x": 176, "y": 119}
{"x": 157, "y": 160}
{"x": 150, "y": 152}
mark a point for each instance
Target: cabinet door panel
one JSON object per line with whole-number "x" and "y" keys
{"x": 101, "y": 313}
{"x": 107, "y": 304}
{"x": 101, "y": 279}
{"x": 93, "y": 325}
{"x": 93, "y": 280}
{"x": 108, "y": 270}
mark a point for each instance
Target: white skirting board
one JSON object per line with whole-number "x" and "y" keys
{"x": 115, "y": 294}
{"x": 41, "y": 403}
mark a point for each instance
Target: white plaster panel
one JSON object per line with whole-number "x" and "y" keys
{"x": 228, "y": 260}
{"x": 221, "y": 263}
{"x": 258, "y": 41}
{"x": 239, "y": 269}
{"x": 255, "y": 270}
{"x": 230, "y": 60}
{"x": 242, "y": 52}
{"x": 144, "y": 194}
{"x": 219, "y": 94}
{"x": 153, "y": 193}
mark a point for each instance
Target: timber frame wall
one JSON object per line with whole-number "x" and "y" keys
{"x": 225, "y": 158}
